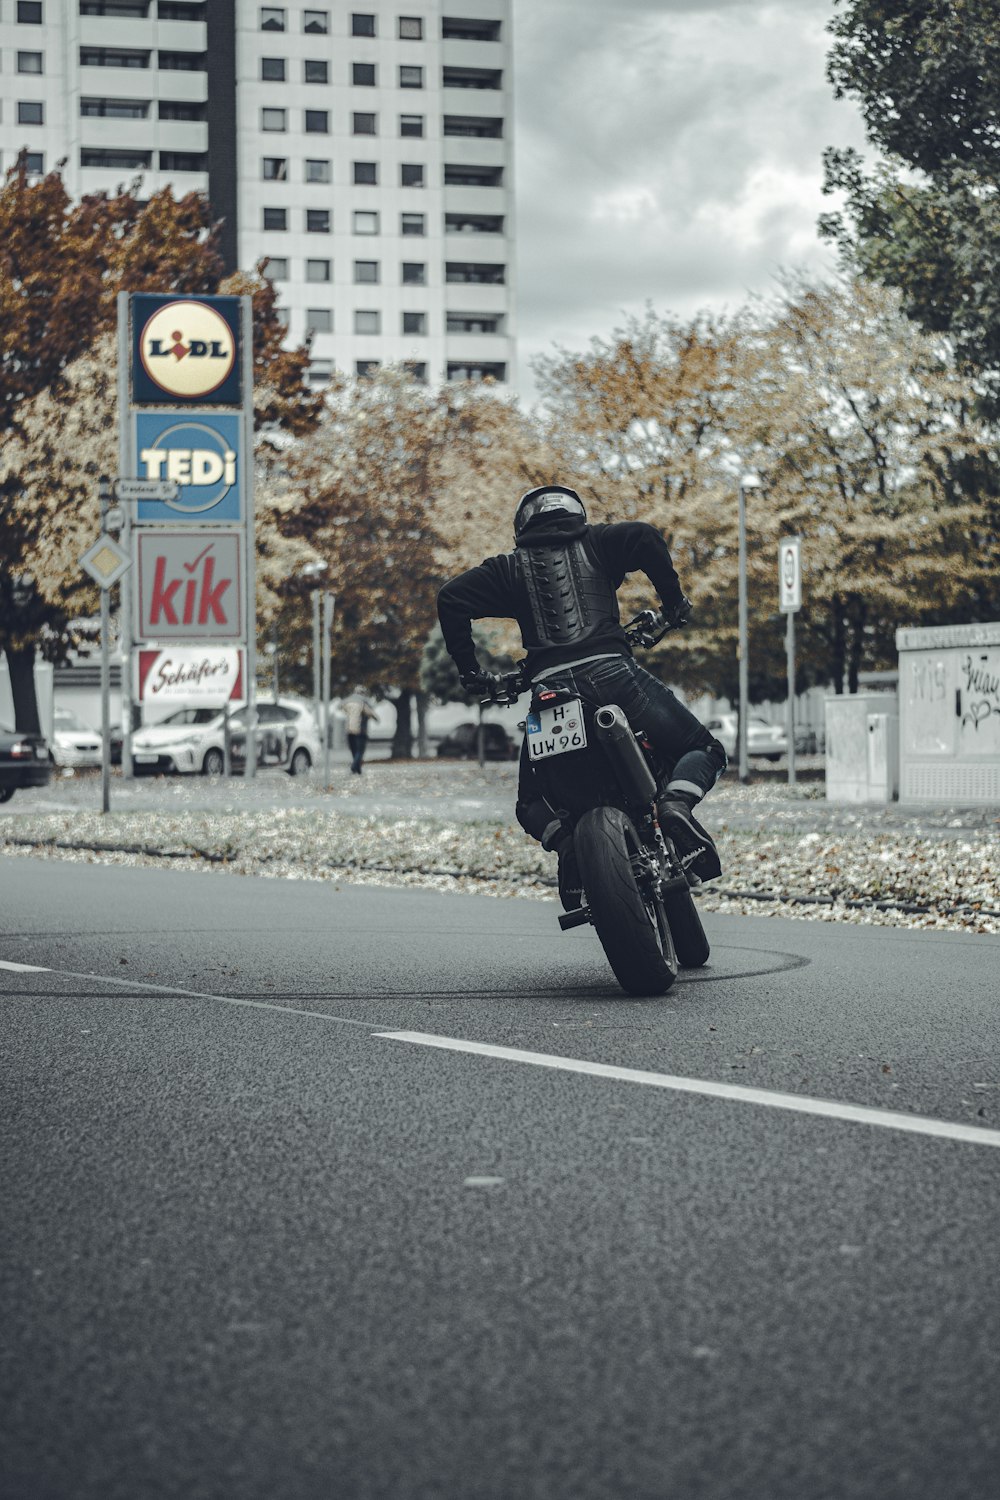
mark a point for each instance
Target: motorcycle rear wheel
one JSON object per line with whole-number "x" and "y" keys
{"x": 633, "y": 930}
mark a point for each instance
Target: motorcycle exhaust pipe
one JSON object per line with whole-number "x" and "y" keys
{"x": 617, "y": 737}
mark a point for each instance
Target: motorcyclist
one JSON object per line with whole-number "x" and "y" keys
{"x": 560, "y": 584}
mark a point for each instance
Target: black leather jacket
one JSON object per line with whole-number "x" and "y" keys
{"x": 559, "y": 584}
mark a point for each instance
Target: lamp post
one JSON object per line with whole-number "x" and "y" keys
{"x": 748, "y": 482}
{"x": 314, "y": 573}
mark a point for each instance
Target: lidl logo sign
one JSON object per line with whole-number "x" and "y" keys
{"x": 201, "y": 453}
{"x": 186, "y": 350}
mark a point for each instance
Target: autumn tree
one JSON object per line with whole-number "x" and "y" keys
{"x": 924, "y": 217}
{"x": 62, "y": 265}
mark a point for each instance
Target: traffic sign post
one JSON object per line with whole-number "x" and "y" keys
{"x": 790, "y": 601}
{"x": 106, "y": 562}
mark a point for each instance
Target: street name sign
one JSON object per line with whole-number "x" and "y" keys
{"x": 146, "y": 489}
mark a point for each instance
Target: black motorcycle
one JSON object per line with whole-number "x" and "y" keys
{"x": 602, "y": 778}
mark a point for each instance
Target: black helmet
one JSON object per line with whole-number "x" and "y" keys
{"x": 549, "y": 500}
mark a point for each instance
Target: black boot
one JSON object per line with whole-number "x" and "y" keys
{"x": 560, "y": 838}
{"x": 695, "y": 846}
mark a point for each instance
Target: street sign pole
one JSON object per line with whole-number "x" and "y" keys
{"x": 105, "y": 498}
{"x": 329, "y": 603}
{"x": 125, "y": 466}
{"x": 249, "y": 529}
{"x": 790, "y": 601}
{"x": 790, "y": 662}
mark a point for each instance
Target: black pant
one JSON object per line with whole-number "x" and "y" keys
{"x": 357, "y": 744}
{"x": 695, "y": 758}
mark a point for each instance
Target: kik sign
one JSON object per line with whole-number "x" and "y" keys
{"x": 189, "y": 586}
{"x": 201, "y": 454}
{"x": 186, "y": 350}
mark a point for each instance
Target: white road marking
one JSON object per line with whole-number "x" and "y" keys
{"x": 830, "y": 1109}
{"x": 5, "y": 963}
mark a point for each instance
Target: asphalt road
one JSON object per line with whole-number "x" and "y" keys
{"x": 256, "y": 1247}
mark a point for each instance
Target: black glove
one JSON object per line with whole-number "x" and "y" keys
{"x": 475, "y": 681}
{"x": 679, "y": 615}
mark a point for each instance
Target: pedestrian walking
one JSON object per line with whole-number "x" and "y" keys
{"x": 359, "y": 708}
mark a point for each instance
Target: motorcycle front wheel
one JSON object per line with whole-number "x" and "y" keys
{"x": 632, "y": 927}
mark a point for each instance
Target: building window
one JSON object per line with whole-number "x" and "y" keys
{"x": 410, "y": 77}
{"x": 414, "y": 322}
{"x": 183, "y": 161}
{"x": 478, "y": 273}
{"x": 272, "y": 69}
{"x": 273, "y": 119}
{"x": 365, "y": 222}
{"x": 363, "y": 74}
{"x": 183, "y": 62}
{"x": 364, "y": 369}
{"x": 177, "y": 10}
{"x": 319, "y": 320}
{"x": 272, "y": 18}
{"x": 317, "y": 170}
{"x": 29, "y": 62}
{"x": 473, "y": 224}
{"x": 181, "y": 109}
{"x": 473, "y": 323}
{"x": 366, "y": 173}
{"x": 366, "y": 271}
{"x": 320, "y": 371}
{"x": 367, "y": 321}
{"x": 29, "y": 12}
{"x": 473, "y": 78}
{"x": 411, "y": 125}
{"x": 316, "y": 21}
{"x": 115, "y": 109}
{"x": 412, "y": 224}
{"x": 122, "y": 9}
{"x": 363, "y": 124}
{"x": 411, "y": 29}
{"x": 416, "y": 370}
{"x": 274, "y": 169}
{"x": 276, "y": 268}
{"x": 411, "y": 174}
{"x": 318, "y": 220}
{"x": 30, "y": 112}
{"x": 484, "y": 127}
{"x": 113, "y": 57}
{"x": 276, "y": 218}
{"x": 414, "y": 273}
{"x": 121, "y": 160}
{"x": 458, "y": 29}
{"x": 462, "y": 176}
{"x": 316, "y": 70}
{"x": 317, "y": 270}
{"x": 317, "y": 122}
{"x": 34, "y": 163}
{"x": 362, "y": 24}
{"x": 481, "y": 371}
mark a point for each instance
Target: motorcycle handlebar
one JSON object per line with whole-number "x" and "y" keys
{"x": 644, "y": 630}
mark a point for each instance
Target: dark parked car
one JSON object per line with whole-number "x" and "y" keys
{"x": 24, "y": 761}
{"x": 462, "y": 743}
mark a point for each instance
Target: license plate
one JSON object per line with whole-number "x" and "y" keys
{"x": 556, "y": 731}
{"x": 146, "y": 760}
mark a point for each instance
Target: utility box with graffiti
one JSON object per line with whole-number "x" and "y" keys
{"x": 949, "y": 713}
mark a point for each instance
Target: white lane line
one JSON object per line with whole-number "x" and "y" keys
{"x": 5, "y": 963}
{"x": 830, "y": 1109}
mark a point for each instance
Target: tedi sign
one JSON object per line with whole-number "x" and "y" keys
{"x": 201, "y": 454}
{"x": 185, "y": 351}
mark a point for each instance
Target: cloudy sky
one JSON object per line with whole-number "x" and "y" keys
{"x": 666, "y": 151}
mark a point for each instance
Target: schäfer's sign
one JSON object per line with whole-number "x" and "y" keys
{"x": 209, "y": 676}
{"x": 186, "y": 350}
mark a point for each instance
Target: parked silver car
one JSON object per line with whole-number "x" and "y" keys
{"x": 768, "y": 740}
{"x": 73, "y": 743}
{"x": 190, "y": 740}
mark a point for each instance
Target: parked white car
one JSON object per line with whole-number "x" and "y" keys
{"x": 768, "y": 740}
{"x": 190, "y": 741}
{"x": 73, "y": 743}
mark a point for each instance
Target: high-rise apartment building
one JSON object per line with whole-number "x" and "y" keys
{"x": 365, "y": 152}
